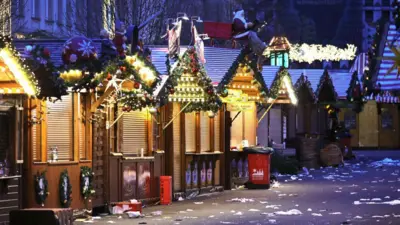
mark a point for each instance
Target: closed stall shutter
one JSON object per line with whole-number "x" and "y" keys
{"x": 134, "y": 132}
{"x": 60, "y": 127}
{"x": 236, "y": 129}
{"x": 275, "y": 127}
{"x": 217, "y": 132}
{"x": 190, "y": 132}
{"x": 204, "y": 132}
{"x": 81, "y": 127}
{"x": 35, "y": 130}
{"x": 262, "y": 129}
{"x": 250, "y": 126}
{"x": 177, "y": 147}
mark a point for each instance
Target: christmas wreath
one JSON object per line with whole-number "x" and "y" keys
{"x": 65, "y": 189}
{"x": 87, "y": 182}
{"x": 41, "y": 188}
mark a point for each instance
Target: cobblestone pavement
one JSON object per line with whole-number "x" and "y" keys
{"x": 358, "y": 193}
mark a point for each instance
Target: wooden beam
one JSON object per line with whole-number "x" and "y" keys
{"x": 183, "y": 108}
{"x": 266, "y": 111}
{"x": 98, "y": 102}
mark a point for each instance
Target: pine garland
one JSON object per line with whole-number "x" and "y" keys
{"x": 243, "y": 58}
{"x": 304, "y": 84}
{"x": 65, "y": 194}
{"x": 277, "y": 83}
{"x": 46, "y": 73}
{"x": 326, "y": 82}
{"x": 6, "y": 43}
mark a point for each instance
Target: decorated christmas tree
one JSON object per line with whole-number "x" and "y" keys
{"x": 354, "y": 93}
{"x": 189, "y": 84}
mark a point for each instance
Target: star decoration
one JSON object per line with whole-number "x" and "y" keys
{"x": 395, "y": 58}
{"x": 113, "y": 83}
{"x": 86, "y": 48}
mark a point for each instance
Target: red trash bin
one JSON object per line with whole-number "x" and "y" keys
{"x": 165, "y": 190}
{"x": 259, "y": 167}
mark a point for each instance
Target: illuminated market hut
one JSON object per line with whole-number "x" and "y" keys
{"x": 59, "y": 128}
{"x": 306, "y": 97}
{"x": 193, "y": 133}
{"x": 127, "y": 130}
{"x": 240, "y": 89}
{"x": 17, "y": 85}
{"x": 281, "y": 101}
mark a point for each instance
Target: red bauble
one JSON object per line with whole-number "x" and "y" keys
{"x": 46, "y": 52}
{"x": 172, "y": 91}
{"x": 210, "y": 91}
{"x": 109, "y": 76}
{"x": 122, "y": 68}
{"x": 136, "y": 85}
{"x": 80, "y": 48}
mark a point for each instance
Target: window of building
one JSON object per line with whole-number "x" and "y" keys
{"x": 60, "y": 128}
{"x": 369, "y": 2}
{"x": 386, "y": 3}
{"x": 49, "y": 10}
{"x": 133, "y": 128}
{"x": 386, "y": 15}
{"x": 36, "y": 9}
{"x": 60, "y": 11}
{"x": 190, "y": 132}
{"x": 369, "y": 16}
{"x": 69, "y": 13}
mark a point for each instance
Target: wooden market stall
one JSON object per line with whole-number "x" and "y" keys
{"x": 17, "y": 85}
{"x": 127, "y": 133}
{"x": 240, "y": 89}
{"x": 193, "y": 129}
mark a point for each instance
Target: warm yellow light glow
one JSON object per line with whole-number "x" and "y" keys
{"x": 290, "y": 90}
{"x": 20, "y": 76}
{"x": 71, "y": 76}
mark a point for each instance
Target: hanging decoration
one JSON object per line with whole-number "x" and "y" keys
{"x": 189, "y": 82}
{"x": 174, "y": 36}
{"x": 283, "y": 79}
{"x": 304, "y": 84}
{"x": 65, "y": 189}
{"x": 80, "y": 63}
{"x": 41, "y": 188}
{"x": 310, "y": 53}
{"x": 22, "y": 73}
{"x": 87, "y": 189}
{"x": 325, "y": 84}
{"x": 199, "y": 45}
{"x": 52, "y": 85}
{"x": 244, "y": 62}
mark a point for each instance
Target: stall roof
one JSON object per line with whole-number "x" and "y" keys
{"x": 218, "y": 60}
{"x": 390, "y": 81}
{"x": 55, "y": 47}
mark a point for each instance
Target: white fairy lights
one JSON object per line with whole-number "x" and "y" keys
{"x": 309, "y": 53}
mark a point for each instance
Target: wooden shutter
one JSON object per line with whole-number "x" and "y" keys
{"x": 217, "y": 133}
{"x": 176, "y": 124}
{"x": 134, "y": 132}
{"x": 34, "y": 132}
{"x": 81, "y": 127}
{"x": 190, "y": 132}
{"x": 250, "y": 125}
{"x": 237, "y": 129}
{"x": 204, "y": 132}
{"x": 275, "y": 127}
{"x": 156, "y": 132}
{"x": 60, "y": 127}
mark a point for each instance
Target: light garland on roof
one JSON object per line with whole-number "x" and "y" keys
{"x": 310, "y": 53}
{"x": 19, "y": 73}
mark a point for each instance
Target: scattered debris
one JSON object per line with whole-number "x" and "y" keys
{"x": 290, "y": 212}
{"x": 156, "y": 213}
{"x": 181, "y": 199}
{"x": 242, "y": 200}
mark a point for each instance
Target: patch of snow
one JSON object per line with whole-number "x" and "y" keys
{"x": 242, "y": 200}
{"x": 353, "y": 193}
{"x": 254, "y": 210}
{"x": 309, "y": 210}
{"x": 272, "y": 206}
{"x": 357, "y": 217}
{"x": 271, "y": 221}
{"x": 385, "y": 162}
{"x": 238, "y": 214}
{"x": 290, "y": 212}
{"x": 211, "y": 216}
{"x": 189, "y": 210}
{"x": 316, "y": 214}
{"x": 376, "y": 199}
{"x": 335, "y": 213}
{"x": 262, "y": 202}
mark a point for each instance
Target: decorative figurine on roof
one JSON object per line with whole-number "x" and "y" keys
{"x": 78, "y": 50}
{"x": 108, "y": 49}
{"x": 244, "y": 30}
{"x": 120, "y": 38}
